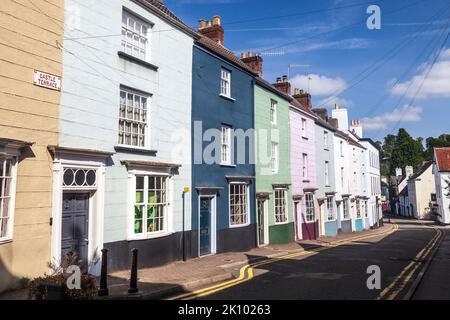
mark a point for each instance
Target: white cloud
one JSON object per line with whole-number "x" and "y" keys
{"x": 319, "y": 85}
{"x": 436, "y": 85}
{"x": 404, "y": 114}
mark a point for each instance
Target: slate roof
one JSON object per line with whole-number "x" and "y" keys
{"x": 223, "y": 53}
{"x": 163, "y": 12}
{"x": 442, "y": 156}
{"x": 421, "y": 170}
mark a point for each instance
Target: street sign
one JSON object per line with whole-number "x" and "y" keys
{"x": 47, "y": 80}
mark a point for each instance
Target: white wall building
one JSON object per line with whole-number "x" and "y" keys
{"x": 421, "y": 191}
{"x": 125, "y": 129}
{"x": 442, "y": 182}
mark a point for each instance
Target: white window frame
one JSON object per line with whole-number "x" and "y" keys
{"x": 342, "y": 148}
{"x": 273, "y": 111}
{"x": 167, "y": 215}
{"x": 247, "y": 204}
{"x": 305, "y": 166}
{"x": 139, "y": 45}
{"x": 140, "y": 118}
{"x": 310, "y": 210}
{"x": 280, "y": 211}
{"x": 325, "y": 139}
{"x": 274, "y": 162}
{"x": 358, "y": 209}
{"x": 327, "y": 173}
{"x": 304, "y": 128}
{"x": 9, "y": 216}
{"x": 342, "y": 177}
{"x": 225, "y": 83}
{"x": 346, "y": 209}
{"x": 226, "y": 146}
{"x": 331, "y": 216}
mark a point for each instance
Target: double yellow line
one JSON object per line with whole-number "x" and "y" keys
{"x": 402, "y": 280}
{"x": 246, "y": 272}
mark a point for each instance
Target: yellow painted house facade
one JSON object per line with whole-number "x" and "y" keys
{"x": 30, "y": 71}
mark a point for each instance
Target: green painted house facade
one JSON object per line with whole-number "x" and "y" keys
{"x": 273, "y": 171}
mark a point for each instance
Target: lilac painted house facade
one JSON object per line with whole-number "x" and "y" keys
{"x": 303, "y": 161}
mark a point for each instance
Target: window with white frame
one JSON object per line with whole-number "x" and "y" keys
{"x": 280, "y": 206}
{"x": 305, "y": 166}
{"x": 358, "y": 209}
{"x": 327, "y": 173}
{"x": 342, "y": 177}
{"x": 341, "y": 147}
{"x": 225, "y": 83}
{"x": 225, "y": 156}
{"x": 309, "y": 206}
{"x": 325, "y": 139}
{"x": 366, "y": 209}
{"x": 274, "y": 157}
{"x": 134, "y": 35}
{"x": 304, "y": 124}
{"x": 6, "y": 206}
{"x": 273, "y": 111}
{"x": 239, "y": 204}
{"x": 330, "y": 209}
{"x": 346, "y": 208}
{"x": 133, "y": 119}
{"x": 151, "y": 205}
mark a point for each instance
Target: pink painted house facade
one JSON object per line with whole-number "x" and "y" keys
{"x": 303, "y": 162}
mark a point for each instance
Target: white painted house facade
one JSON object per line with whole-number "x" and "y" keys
{"x": 124, "y": 153}
{"x": 442, "y": 183}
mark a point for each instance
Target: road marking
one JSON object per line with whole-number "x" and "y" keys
{"x": 246, "y": 272}
{"x": 414, "y": 265}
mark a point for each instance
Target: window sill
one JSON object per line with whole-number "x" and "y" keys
{"x": 150, "y": 236}
{"x": 141, "y": 62}
{"x": 135, "y": 150}
{"x": 227, "y": 98}
{"x": 305, "y": 138}
{"x": 306, "y": 181}
{"x": 281, "y": 223}
{"x": 239, "y": 226}
{"x": 224, "y": 165}
{"x": 5, "y": 241}
{"x": 326, "y": 149}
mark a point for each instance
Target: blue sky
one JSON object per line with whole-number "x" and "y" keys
{"x": 399, "y": 87}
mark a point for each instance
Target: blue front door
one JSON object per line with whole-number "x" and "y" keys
{"x": 205, "y": 226}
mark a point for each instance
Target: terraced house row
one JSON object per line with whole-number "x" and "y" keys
{"x": 121, "y": 127}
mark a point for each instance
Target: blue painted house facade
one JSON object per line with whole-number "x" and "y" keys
{"x": 223, "y": 170}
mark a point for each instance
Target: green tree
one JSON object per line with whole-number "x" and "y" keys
{"x": 431, "y": 143}
{"x": 406, "y": 151}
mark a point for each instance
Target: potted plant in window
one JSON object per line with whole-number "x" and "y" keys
{"x": 54, "y": 286}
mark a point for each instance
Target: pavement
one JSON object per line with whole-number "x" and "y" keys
{"x": 160, "y": 282}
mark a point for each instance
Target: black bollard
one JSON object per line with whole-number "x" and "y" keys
{"x": 104, "y": 291}
{"x": 134, "y": 268}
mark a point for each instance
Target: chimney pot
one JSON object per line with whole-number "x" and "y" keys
{"x": 250, "y": 54}
{"x": 243, "y": 55}
{"x": 201, "y": 24}
{"x": 285, "y": 78}
{"x": 209, "y": 23}
{"x": 296, "y": 91}
{"x": 217, "y": 20}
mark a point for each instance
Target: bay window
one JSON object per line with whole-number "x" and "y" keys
{"x": 280, "y": 206}
{"x": 330, "y": 209}
{"x": 309, "y": 205}
{"x": 6, "y": 197}
{"x": 239, "y": 204}
{"x": 151, "y": 205}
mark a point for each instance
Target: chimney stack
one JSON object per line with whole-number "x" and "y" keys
{"x": 357, "y": 128}
{"x": 254, "y": 62}
{"x": 283, "y": 85}
{"x": 212, "y": 29}
{"x": 334, "y": 122}
{"x": 304, "y": 98}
